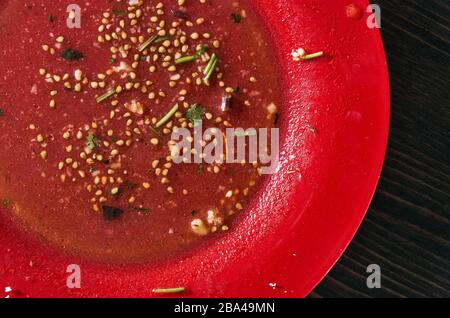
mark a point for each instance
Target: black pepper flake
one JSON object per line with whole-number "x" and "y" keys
{"x": 71, "y": 55}
{"x": 227, "y": 103}
{"x": 276, "y": 118}
{"x": 180, "y": 14}
{"x": 111, "y": 213}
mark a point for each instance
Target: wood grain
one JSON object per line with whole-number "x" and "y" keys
{"x": 407, "y": 229}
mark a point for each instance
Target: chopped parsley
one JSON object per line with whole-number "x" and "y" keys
{"x": 200, "y": 169}
{"x": 236, "y": 17}
{"x": 71, "y": 55}
{"x": 91, "y": 141}
{"x": 51, "y": 18}
{"x": 2, "y": 112}
{"x": 195, "y": 113}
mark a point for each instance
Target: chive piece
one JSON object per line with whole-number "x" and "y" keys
{"x": 105, "y": 96}
{"x": 160, "y": 39}
{"x": 147, "y": 43}
{"x": 312, "y": 56}
{"x": 210, "y": 63}
{"x": 167, "y": 117}
{"x": 190, "y": 58}
{"x": 210, "y": 68}
{"x": 71, "y": 55}
{"x": 186, "y": 59}
{"x": 2, "y": 112}
{"x": 176, "y": 290}
{"x": 156, "y": 133}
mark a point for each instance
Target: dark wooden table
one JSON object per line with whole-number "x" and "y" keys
{"x": 407, "y": 229}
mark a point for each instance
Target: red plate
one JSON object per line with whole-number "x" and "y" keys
{"x": 334, "y": 134}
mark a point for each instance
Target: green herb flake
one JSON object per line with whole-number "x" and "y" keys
{"x": 51, "y": 18}
{"x": 2, "y": 112}
{"x": 71, "y": 55}
{"x": 195, "y": 113}
{"x": 203, "y": 49}
{"x": 91, "y": 141}
{"x": 118, "y": 13}
{"x": 6, "y": 202}
{"x": 236, "y": 17}
{"x": 200, "y": 169}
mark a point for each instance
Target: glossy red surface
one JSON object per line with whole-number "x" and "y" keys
{"x": 334, "y": 132}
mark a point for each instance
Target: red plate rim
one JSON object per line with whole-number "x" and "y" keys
{"x": 333, "y": 150}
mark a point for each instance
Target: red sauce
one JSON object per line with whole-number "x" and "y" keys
{"x": 56, "y": 187}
